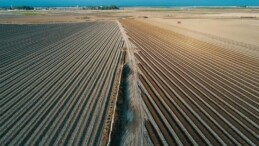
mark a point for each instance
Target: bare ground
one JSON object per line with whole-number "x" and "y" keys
{"x": 134, "y": 133}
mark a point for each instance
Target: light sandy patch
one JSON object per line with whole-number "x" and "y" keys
{"x": 241, "y": 30}
{"x": 237, "y": 15}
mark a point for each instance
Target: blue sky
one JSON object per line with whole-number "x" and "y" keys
{"x": 131, "y": 2}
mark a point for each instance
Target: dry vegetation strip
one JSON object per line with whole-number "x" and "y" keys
{"x": 206, "y": 94}
{"x": 56, "y": 82}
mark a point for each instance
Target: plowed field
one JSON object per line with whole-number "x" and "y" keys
{"x": 197, "y": 93}
{"x": 57, "y": 82}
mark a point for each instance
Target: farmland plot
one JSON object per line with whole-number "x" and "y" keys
{"x": 57, "y": 82}
{"x": 195, "y": 92}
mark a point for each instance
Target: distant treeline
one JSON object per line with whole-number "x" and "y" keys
{"x": 112, "y": 7}
{"x": 18, "y": 8}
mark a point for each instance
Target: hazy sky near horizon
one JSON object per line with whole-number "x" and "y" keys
{"x": 131, "y": 2}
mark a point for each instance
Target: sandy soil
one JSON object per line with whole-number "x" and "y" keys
{"x": 42, "y": 20}
{"x": 56, "y": 16}
{"x": 242, "y": 30}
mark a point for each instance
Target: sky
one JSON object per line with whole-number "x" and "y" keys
{"x": 130, "y": 2}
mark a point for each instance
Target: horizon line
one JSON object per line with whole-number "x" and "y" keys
{"x": 140, "y": 5}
